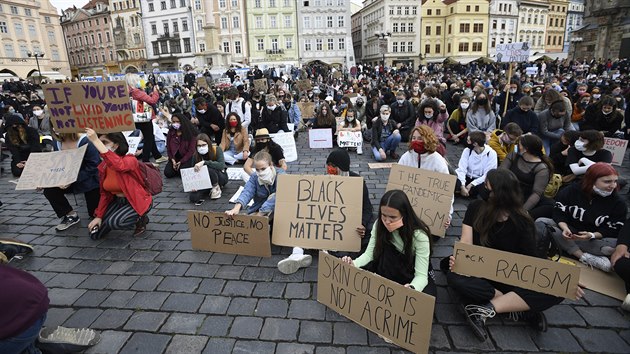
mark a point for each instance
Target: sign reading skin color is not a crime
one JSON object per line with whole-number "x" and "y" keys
{"x": 318, "y": 212}
{"x": 51, "y": 169}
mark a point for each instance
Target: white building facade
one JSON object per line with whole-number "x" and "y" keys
{"x": 575, "y": 18}
{"x": 532, "y": 24}
{"x": 503, "y": 23}
{"x": 324, "y": 32}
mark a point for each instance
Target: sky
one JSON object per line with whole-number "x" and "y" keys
{"x": 64, "y": 4}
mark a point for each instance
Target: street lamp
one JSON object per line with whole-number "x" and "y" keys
{"x": 575, "y": 41}
{"x": 383, "y": 37}
{"x": 37, "y": 55}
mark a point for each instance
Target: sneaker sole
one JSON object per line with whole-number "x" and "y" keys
{"x": 24, "y": 247}
{"x": 67, "y": 226}
{"x": 290, "y": 266}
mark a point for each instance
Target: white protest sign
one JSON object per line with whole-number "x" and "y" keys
{"x": 618, "y": 149}
{"x": 224, "y": 80}
{"x": 133, "y": 142}
{"x": 320, "y": 138}
{"x": 531, "y": 70}
{"x": 195, "y": 180}
{"x": 235, "y": 173}
{"x": 513, "y": 52}
{"x": 349, "y": 139}
{"x": 51, "y": 169}
{"x": 287, "y": 142}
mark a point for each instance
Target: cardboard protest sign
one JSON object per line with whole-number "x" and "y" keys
{"x": 303, "y": 85}
{"x": 307, "y": 109}
{"x": 242, "y": 234}
{"x": 201, "y": 82}
{"x": 287, "y": 142}
{"x": 51, "y": 169}
{"x": 235, "y": 173}
{"x": 430, "y": 193}
{"x": 337, "y": 74}
{"x": 339, "y": 120}
{"x": 380, "y": 305}
{"x": 261, "y": 85}
{"x": 318, "y": 212}
{"x": 537, "y": 274}
{"x": 377, "y": 165}
{"x": 349, "y": 139}
{"x": 531, "y": 70}
{"x": 102, "y": 106}
{"x": 609, "y": 284}
{"x": 133, "y": 142}
{"x": 224, "y": 80}
{"x": 195, "y": 181}
{"x": 513, "y": 52}
{"x": 320, "y": 138}
{"x": 618, "y": 149}
{"x": 352, "y": 96}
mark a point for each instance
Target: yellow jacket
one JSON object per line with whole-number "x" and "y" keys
{"x": 502, "y": 149}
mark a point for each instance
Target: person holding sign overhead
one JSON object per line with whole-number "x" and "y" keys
{"x": 180, "y": 145}
{"x": 124, "y": 202}
{"x": 499, "y": 222}
{"x": 211, "y": 156}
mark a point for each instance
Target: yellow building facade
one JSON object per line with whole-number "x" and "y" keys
{"x": 556, "y": 24}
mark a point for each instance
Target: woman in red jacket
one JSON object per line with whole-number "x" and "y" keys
{"x": 124, "y": 202}
{"x": 180, "y": 145}
{"x": 143, "y": 110}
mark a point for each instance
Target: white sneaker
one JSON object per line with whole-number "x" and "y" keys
{"x": 625, "y": 305}
{"x": 294, "y": 262}
{"x": 161, "y": 159}
{"x": 216, "y": 192}
{"x": 599, "y": 262}
{"x": 359, "y": 150}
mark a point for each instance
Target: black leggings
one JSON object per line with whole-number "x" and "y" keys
{"x": 170, "y": 172}
{"x": 622, "y": 267}
{"x": 57, "y": 198}
{"x": 148, "y": 142}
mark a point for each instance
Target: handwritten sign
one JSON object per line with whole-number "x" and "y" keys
{"x": 430, "y": 194}
{"x": 303, "y": 85}
{"x": 224, "y": 81}
{"x": 349, "y": 139}
{"x": 307, "y": 109}
{"x": 531, "y": 70}
{"x": 287, "y": 142}
{"x": 201, "y": 82}
{"x": 339, "y": 121}
{"x": 320, "y": 138}
{"x": 513, "y": 52}
{"x": 337, "y": 74}
{"x": 242, "y": 234}
{"x": 133, "y": 142}
{"x": 609, "y": 284}
{"x": 195, "y": 181}
{"x": 382, "y": 306}
{"x": 618, "y": 149}
{"x": 51, "y": 169}
{"x": 261, "y": 85}
{"x": 235, "y": 173}
{"x": 537, "y": 274}
{"x": 318, "y": 212}
{"x": 102, "y": 106}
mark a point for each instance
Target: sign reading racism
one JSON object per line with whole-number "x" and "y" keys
{"x": 51, "y": 169}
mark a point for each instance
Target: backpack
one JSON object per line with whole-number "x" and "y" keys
{"x": 151, "y": 178}
{"x": 555, "y": 182}
{"x": 546, "y": 246}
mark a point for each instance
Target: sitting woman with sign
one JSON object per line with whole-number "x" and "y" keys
{"x": 352, "y": 124}
{"x": 500, "y": 223}
{"x": 180, "y": 145}
{"x": 587, "y": 217}
{"x": 235, "y": 140}
{"x": 211, "y": 156}
{"x": 261, "y": 188}
{"x": 124, "y": 202}
{"x": 400, "y": 245}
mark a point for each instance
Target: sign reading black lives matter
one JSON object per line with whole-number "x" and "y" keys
{"x": 400, "y": 314}
{"x": 430, "y": 194}
{"x": 318, "y": 212}
{"x": 537, "y": 274}
{"x": 242, "y": 234}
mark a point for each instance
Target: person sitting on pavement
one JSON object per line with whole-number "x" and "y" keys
{"x": 274, "y": 117}
{"x": 560, "y": 151}
{"x": 385, "y": 136}
{"x": 620, "y": 261}
{"x": 553, "y": 122}
{"x": 337, "y": 164}
{"x": 180, "y": 145}
{"x": 480, "y": 116}
{"x": 603, "y": 117}
{"x": 235, "y": 141}
{"x": 586, "y": 151}
{"x": 456, "y": 123}
{"x": 21, "y": 140}
{"x": 504, "y": 141}
{"x": 523, "y": 116}
{"x": 500, "y": 223}
{"x": 209, "y": 155}
{"x": 264, "y": 143}
{"x": 431, "y": 115}
{"x": 86, "y": 183}
{"x": 352, "y": 124}
{"x": 590, "y": 235}
{"x": 403, "y": 114}
{"x": 124, "y": 202}
{"x": 474, "y": 164}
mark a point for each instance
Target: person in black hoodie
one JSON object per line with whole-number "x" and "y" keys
{"x": 403, "y": 114}
{"x": 620, "y": 261}
{"x": 603, "y": 117}
{"x": 209, "y": 119}
{"x": 21, "y": 140}
{"x": 523, "y": 116}
{"x": 514, "y": 88}
{"x": 273, "y": 116}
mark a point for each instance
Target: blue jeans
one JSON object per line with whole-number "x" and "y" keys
{"x": 389, "y": 145}
{"x": 25, "y": 341}
{"x": 547, "y": 141}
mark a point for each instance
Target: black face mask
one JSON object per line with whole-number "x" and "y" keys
{"x": 482, "y": 101}
{"x": 261, "y": 145}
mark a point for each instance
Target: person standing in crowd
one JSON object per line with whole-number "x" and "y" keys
{"x": 21, "y": 141}
{"x": 553, "y": 122}
{"x": 456, "y": 124}
{"x": 499, "y": 223}
{"x": 209, "y": 119}
{"x": 211, "y": 156}
{"x": 603, "y": 117}
{"x": 124, "y": 202}
{"x": 504, "y": 141}
{"x": 480, "y": 116}
{"x": 589, "y": 235}
{"x": 235, "y": 141}
{"x": 180, "y": 145}
{"x": 523, "y": 116}
{"x": 474, "y": 164}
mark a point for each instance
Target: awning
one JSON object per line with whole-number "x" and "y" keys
{"x": 51, "y": 75}
{"x": 435, "y": 60}
{"x": 467, "y": 60}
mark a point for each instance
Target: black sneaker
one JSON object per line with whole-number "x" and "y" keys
{"x": 10, "y": 248}
{"x": 536, "y": 320}
{"x": 476, "y": 316}
{"x": 68, "y": 221}
{"x": 141, "y": 226}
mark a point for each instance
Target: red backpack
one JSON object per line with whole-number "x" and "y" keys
{"x": 151, "y": 178}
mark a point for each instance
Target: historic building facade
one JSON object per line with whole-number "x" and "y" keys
{"x": 503, "y": 23}
{"x": 606, "y": 30}
{"x": 128, "y": 35}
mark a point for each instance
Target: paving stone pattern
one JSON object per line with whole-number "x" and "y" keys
{"x": 154, "y": 294}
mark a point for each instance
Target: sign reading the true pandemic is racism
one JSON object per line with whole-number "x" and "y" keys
{"x": 318, "y": 212}
{"x": 513, "y": 52}
{"x": 537, "y": 274}
{"x": 51, "y": 169}
{"x": 618, "y": 149}
{"x": 102, "y": 106}
{"x": 241, "y": 234}
{"x": 400, "y": 314}
{"x": 430, "y": 194}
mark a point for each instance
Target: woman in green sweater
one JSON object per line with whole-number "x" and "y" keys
{"x": 400, "y": 245}
{"x": 209, "y": 155}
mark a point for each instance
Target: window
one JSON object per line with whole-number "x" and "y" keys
{"x": 24, "y": 50}
{"x": 259, "y": 22}
{"x": 391, "y": 10}
{"x": 448, "y": 48}
{"x": 107, "y": 37}
{"x": 237, "y": 47}
{"x": 234, "y": 3}
{"x": 257, "y": 4}
{"x": 47, "y": 19}
{"x": 202, "y": 47}
{"x": 272, "y": 21}
{"x": 287, "y": 3}
{"x": 402, "y": 47}
{"x": 429, "y": 12}
{"x": 438, "y": 48}
{"x": 235, "y": 22}
{"x": 260, "y": 44}
{"x": 342, "y": 44}
{"x": 307, "y": 22}
{"x": 31, "y": 31}
{"x": 18, "y": 29}
{"x": 164, "y": 47}
{"x": 503, "y": 25}
{"x": 342, "y": 21}
{"x": 395, "y": 47}
{"x": 478, "y": 27}
{"x": 224, "y": 23}
{"x": 307, "y": 45}
{"x": 414, "y": 10}
{"x": 427, "y": 31}
{"x": 331, "y": 44}
{"x": 28, "y": 12}
{"x": 476, "y": 46}
{"x": 476, "y": 8}
{"x": 182, "y": 3}
{"x": 197, "y": 4}
{"x": 438, "y": 12}
{"x": 151, "y": 9}
{"x": 319, "y": 44}
{"x": 274, "y": 44}
{"x": 494, "y": 24}
{"x": 272, "y": 3}
{"x": 557, "y": 22}
{"x": 163, "y": 5}
{"x": 467, "y": 8}
{"x": 398, "y": 10}
{"x": 92, "y": 38}
{"x": 136, "y": 38}
{"x": 175, "y": 26}
{"x": 153, "y": 28}
{"x": 318, "y": 22}
{"x": 3, "y": 27}
{"x": 199, "y": 25}
{"x": 464, "y": 27}
{"x": 438, "y": 31}
{"x": 449, "y": 29}
{"x": 8, "y": 50}
{"x": 395, "y": 27}
{"x": 463, "y": 46}
{"x": 493, "y": 43}
{"x": 184, "y": 25}
{"x": 226, "y": 46}
{"x": 410, "y": 27}
{"x": 287, "y": 21}
{"x": 173, "y": 4}
{"x": 187, "y": 47}
{"x": 406, "y": 10}
{"x": 288, "y": 42}
{"x": 329, "y": 21}
{"x": 427, "y": 49}
{"x": 14, "y": 10}
{"x": 176, "y": 46}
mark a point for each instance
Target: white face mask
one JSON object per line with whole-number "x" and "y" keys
{"x": 465, "y": 105}
{"x": 265, "y": 176}
{"x": 601, "y": 192}
{"x": 603, "y": 112}
{"x": 597, "y": 96}
{"x": 384, "y": 117}
{"x": 580, "y": 145}
{"x": 202, "y": 111}
{"x": 202, "y": 150}
{"x": 428, "y": 116}
{"x": 512, "y": 91}
{"x": 400, "y": 101}
{"x": 38, "y": 112}
{"x": 271, "y": 108}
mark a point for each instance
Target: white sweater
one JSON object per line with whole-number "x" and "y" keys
{"x": 476, "y": 165}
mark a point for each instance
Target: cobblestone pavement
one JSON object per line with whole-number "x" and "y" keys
{"x": 154, "y": 294}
